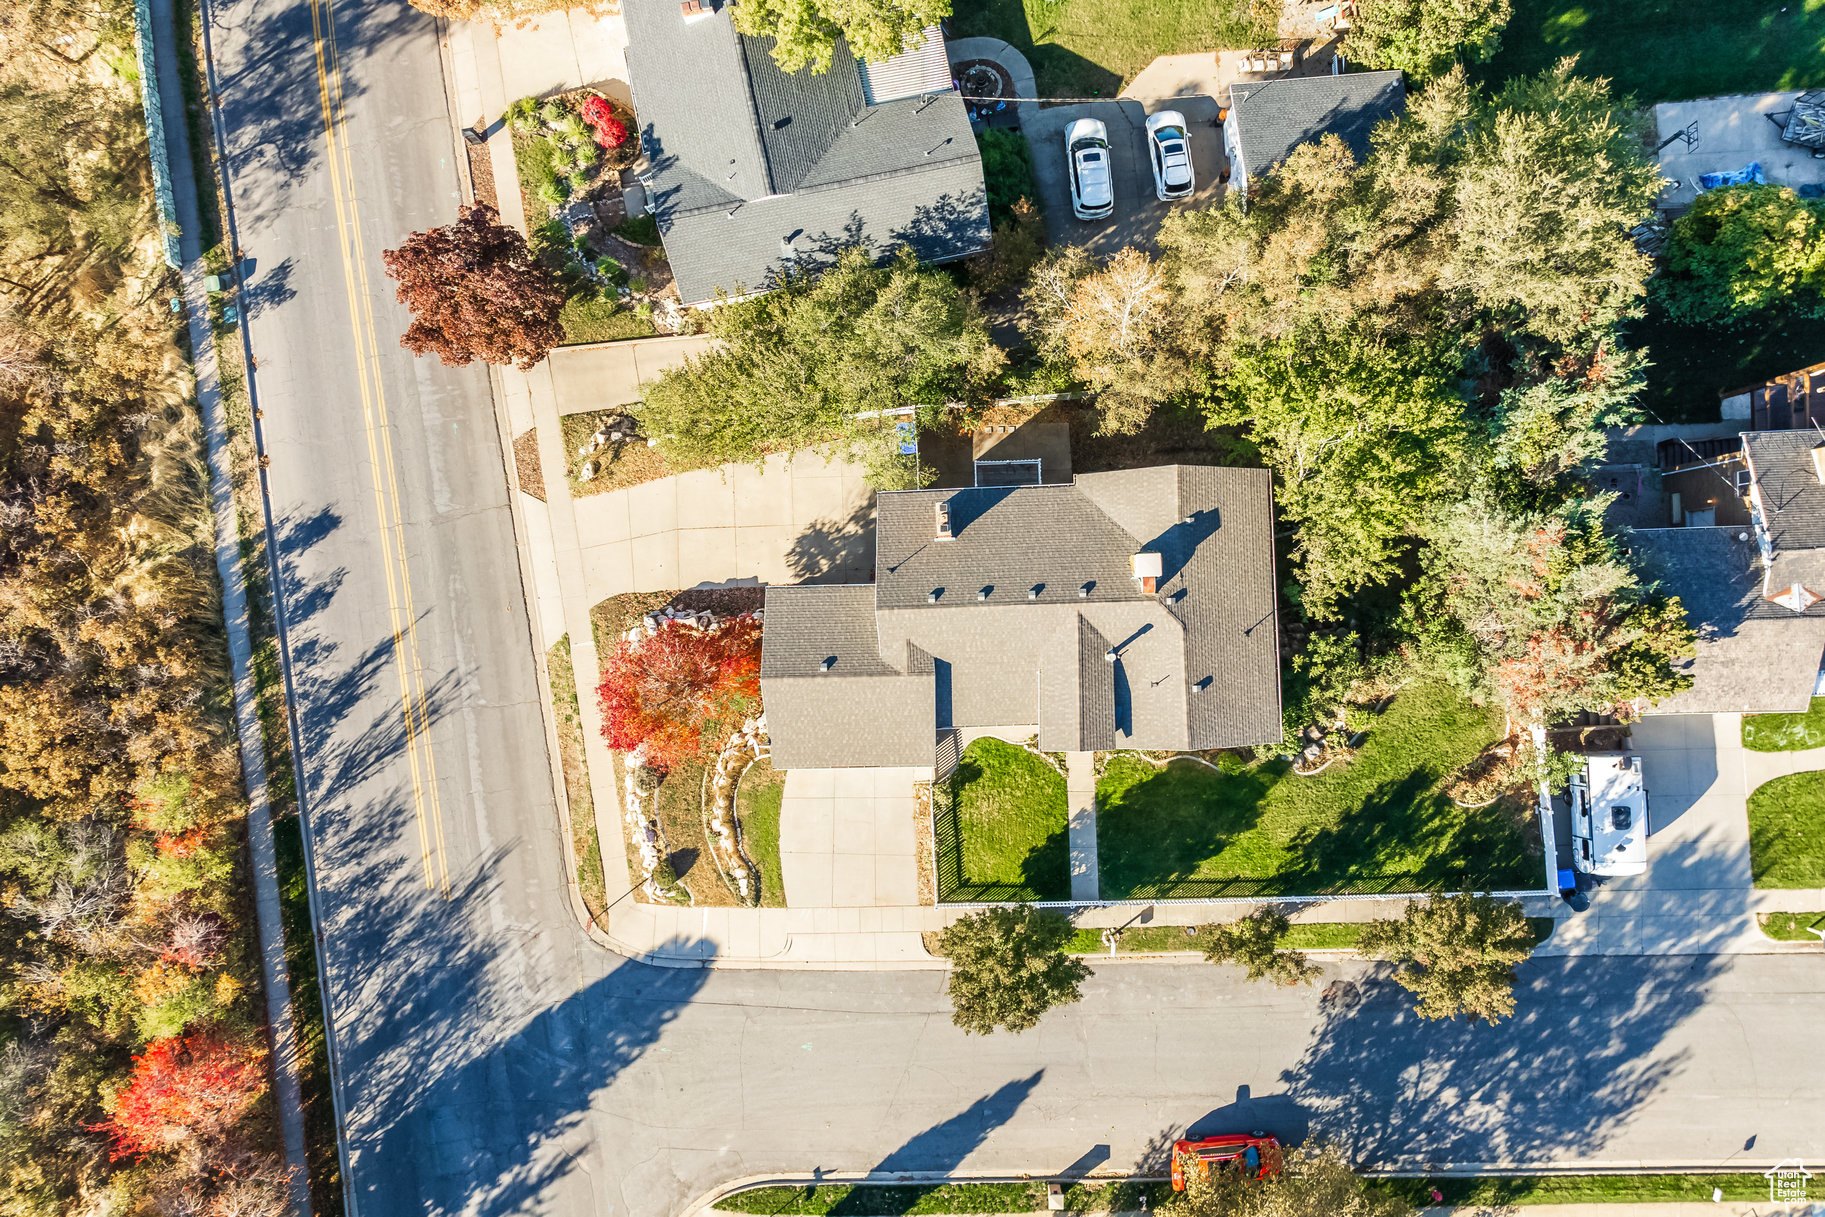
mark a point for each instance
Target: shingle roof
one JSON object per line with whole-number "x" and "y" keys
{"x": 1276, "y": 116}
{"x": 743, "y": 157}
{"x": 1791, "y": 494}
{"x": 1754, "y": 656}
{"x": 859, "y": 712}
{"x": 1197, "y": 663}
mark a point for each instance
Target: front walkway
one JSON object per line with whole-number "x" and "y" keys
{"x": 1080, "y": 796}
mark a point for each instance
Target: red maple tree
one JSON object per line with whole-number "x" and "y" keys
{"x": 184, "y": 1088}
{"x": 678, "y": 693}
{"x": 477, "y": 292}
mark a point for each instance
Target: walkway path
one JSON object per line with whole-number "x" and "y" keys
{"x": 167, "y": 48}
{"x": 1080, "y": 796}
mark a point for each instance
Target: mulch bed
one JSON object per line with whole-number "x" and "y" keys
{"x": 481, "y": 174}
{"x": 526, "y": 464}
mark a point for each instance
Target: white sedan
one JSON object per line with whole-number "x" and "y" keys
{"x": 1169, "y": 148}
{"x": 1092, "y": 184}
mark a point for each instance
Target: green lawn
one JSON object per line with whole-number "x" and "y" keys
{"x": 602, "y": 318}
{"x": 1792, "y": 927}
{"x": 1689, "y": 365}
{"x": 1668, "y": 50}
{"x": 1008, "y": 838}
{"x": 1091, "y": 48}
{"x": 1376, "y": 823}
{"x": 1785, "y": 732}
{"x": 757, "y": 801}
{"x": 1787, "y": 831}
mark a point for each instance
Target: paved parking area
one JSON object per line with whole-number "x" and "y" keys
{"x": 1731, "y": 131}
{"x": 846, "y": 838}
{"x": 1138, "y": 214}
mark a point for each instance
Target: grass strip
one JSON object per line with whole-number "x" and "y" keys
{"x": 1012, "y": 823}
{"x": 586, "y": 849}
{"x": 937, "y": 1199}
{"x": 1792, "y": 927}
{"x": 1302, "y": 936}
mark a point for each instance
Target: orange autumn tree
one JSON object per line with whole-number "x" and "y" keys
{"x": 185, "y": 1090}
{"x": 678, "y": 693}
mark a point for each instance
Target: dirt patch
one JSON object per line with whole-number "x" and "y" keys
{"x": 1171, "y": 437}
{"x": 526, "y": 464}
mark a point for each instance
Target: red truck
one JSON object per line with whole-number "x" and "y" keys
{"x": 1256, "y": 1155}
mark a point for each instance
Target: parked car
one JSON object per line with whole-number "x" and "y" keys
{"x": 1256, "y": 1155}
{"x": 1169, "y": 148}
{"x": 1092, "y": 184}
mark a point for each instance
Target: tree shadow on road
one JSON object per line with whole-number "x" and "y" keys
{"x": 1398, "y": 1091}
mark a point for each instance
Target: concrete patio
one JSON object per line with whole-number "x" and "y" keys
{"x": 1732, "y": 131}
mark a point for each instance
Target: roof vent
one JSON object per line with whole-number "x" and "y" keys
{"x": 1818, "y": 462}
{"x": 829, "y": 662}
{"x": 983, "y": 593}
{"x": 931, "y": 597}
{"x": 1033, "y": 592}
{"x": 1083, "y": 592}
{"x": 1189, "y": 520}
{"x": 1147, "y": 568}
{"x": 943, "y": 509}
{"x": 1112, "y": 654}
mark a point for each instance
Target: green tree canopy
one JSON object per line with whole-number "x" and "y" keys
{"x": 1008, "y": 967}
{"x": 819, "y": 362}
{"x": 805, "y": 32}
{"x": 1424, "y": 38}
{"x": 1559, "y": 620}
{"x": 1741, "y": 249}
{"x": 1363, "y": 432}
{"x": 1456, "y": 954}
{"x": 1253, "y": 944}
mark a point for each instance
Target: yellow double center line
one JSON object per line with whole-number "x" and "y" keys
{"x": 404, "y": 618}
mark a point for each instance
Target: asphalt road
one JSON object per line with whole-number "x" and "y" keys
{"x": 495, "y": 1062}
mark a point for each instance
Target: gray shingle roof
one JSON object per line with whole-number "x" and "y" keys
{"x": 1276, "y": 116}
{"x": 1198, "y": 660}
{"x": 1753, "y": 656}
{"x": 1792, "y": 497}
{"x": 742, "y": 156}
{"x": 860, "y": 712}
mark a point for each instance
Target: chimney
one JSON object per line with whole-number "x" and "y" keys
{"x": 1147, "y": 568}
{"x": 943, "y": 509}
{"x": 1818, "y": 462}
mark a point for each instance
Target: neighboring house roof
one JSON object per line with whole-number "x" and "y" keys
{"x": 1033, "y": 590}
{"x": 1788, "y": 485}
{"x": 1276, "y": 116}
{"x": 746, "y": 162}
{"x": 1753, "y": 594}
{"x": 1754, "y": 656}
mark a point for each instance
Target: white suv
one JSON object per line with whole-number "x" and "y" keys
{"x": 1092, "y": 184}
{"x": 1169, "y": 148}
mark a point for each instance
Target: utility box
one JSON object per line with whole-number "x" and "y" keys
{"x": 1055, "y": 1197}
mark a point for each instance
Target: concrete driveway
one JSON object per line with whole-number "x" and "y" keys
{"x": 846, "y": 841}
{"x": 1138, "y": 213}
